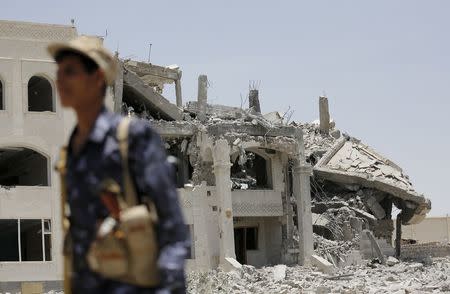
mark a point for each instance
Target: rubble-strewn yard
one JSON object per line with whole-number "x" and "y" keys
{"x": 403, "y": 277}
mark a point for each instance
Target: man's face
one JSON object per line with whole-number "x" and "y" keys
{"x": 77, "y": 88}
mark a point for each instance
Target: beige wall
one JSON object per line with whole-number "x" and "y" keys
{"x": 431, "y": 229}
{"x": 23, "y": 55}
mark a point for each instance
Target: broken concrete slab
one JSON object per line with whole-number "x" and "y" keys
{"x": 155, "y": 100}
{"x": 365, "y": 180}
{"x": 167, "y": 74}
{"x": 375, "y": 207}
{"x": 375, "y": 246}
{"x": 230, "y": 264}
{"x": 322, "y": 264}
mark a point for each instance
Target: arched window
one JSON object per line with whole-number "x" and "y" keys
{"x": 21, "y": 166}
{"x": 250, "y": 171}
{"x": 2, "y": 103}
{"x": 40, "y": 94}
{"x": 182, "y": 167}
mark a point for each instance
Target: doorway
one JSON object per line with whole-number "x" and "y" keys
{"x": 245, "y": 239}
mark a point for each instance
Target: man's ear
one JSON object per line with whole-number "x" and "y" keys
{"x": 99, "y": 78}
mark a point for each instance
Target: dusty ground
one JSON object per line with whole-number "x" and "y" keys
{"x": 403, "y": 277}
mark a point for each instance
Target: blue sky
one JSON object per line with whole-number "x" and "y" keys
{"x": 385, "y": 65}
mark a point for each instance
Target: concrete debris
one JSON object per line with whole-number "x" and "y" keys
{"x": 322, "y": 264}
{"x": 391, "y": 261}
{"x": 352, "y": 188}
{"x": 153, "y": 75}
{"x": 336, "y": 252}
{"x": 274, "y": 118}
{"x": 231, "y": 264}
{"x": 375, "y": 246}
{"x": 402, "y": 277}
{"x": 279, "y": 272}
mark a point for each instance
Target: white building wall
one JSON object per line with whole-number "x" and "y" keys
{"x": 269, "y": 240}
{"x": 251, "y": 208}
{"x": 23, "y": 55}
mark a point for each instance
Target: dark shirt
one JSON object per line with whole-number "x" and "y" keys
{"x": 99, "y": 159}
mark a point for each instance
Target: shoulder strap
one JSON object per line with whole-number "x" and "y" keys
{"x": 61, "y": 167}
{"x": 122, "y": 137}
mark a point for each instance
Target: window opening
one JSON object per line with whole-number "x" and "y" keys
{"x": 40, "y": 94}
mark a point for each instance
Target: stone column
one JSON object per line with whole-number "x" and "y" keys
{"x": 178, "y": 90}
{"x": 202, "y": 97}
{"x": 324, "y": 115}
{"x": 201, "y": 214}
{"x": 118, "y": 87}
{"x": 222, "y": 164}
{"x": 301, "y": 189}
{"x": 253, "y": 100}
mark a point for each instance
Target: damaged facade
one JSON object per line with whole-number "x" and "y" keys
{"x": 254, "y": 189}
{"x": 256, "y": 179}
{"x": 236, "y": 172}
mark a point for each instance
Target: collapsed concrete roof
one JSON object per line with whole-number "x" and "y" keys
{"x": 345, "y": 160}
{"x": 335, "y": 157}
{"x": 154, "y": 75}
{"x": 135, "y": 88}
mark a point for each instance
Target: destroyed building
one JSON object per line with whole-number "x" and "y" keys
{"x": 254, "y": 188}
{"x": 274, "y": 167}
{"x": 249, "y": 220}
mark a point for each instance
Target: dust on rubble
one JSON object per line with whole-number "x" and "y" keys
{"x": 395, "y": 277}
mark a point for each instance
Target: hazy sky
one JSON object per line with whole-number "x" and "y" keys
{"x": 385, "y": 65}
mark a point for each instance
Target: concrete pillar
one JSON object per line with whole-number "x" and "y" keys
{"x": 178, "y": 92}
{"x": 398, "y": 235}
{"x": 202, "y": 97}
{"x": 324, "y": 115}
{"x": 253, "y": 100}
{"x": 222, "y": 164}
{"x": 201, "y": 215}
{"x": 118, "y": 88}
{"x": 288, "y": 222}
{"x": 301, "y": 189}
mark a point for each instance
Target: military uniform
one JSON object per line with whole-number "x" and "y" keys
{"x": 99, "y": 160}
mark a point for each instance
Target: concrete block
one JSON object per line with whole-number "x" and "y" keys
{"x": 324, "y": 115}
{"x": 279, "y": 272}
{"x": 391, "y": 261}
{"x": 324, "y": 265}
{"x": 230, "y": 264}
{"x": 375, "y": 207}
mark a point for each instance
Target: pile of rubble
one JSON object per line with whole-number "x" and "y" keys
{"x": 354, "y": 188}
{"x": 397, "y": 277}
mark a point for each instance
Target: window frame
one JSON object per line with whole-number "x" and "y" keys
{"x": 53, "y": 94}
{"x": 43, "y": 233}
